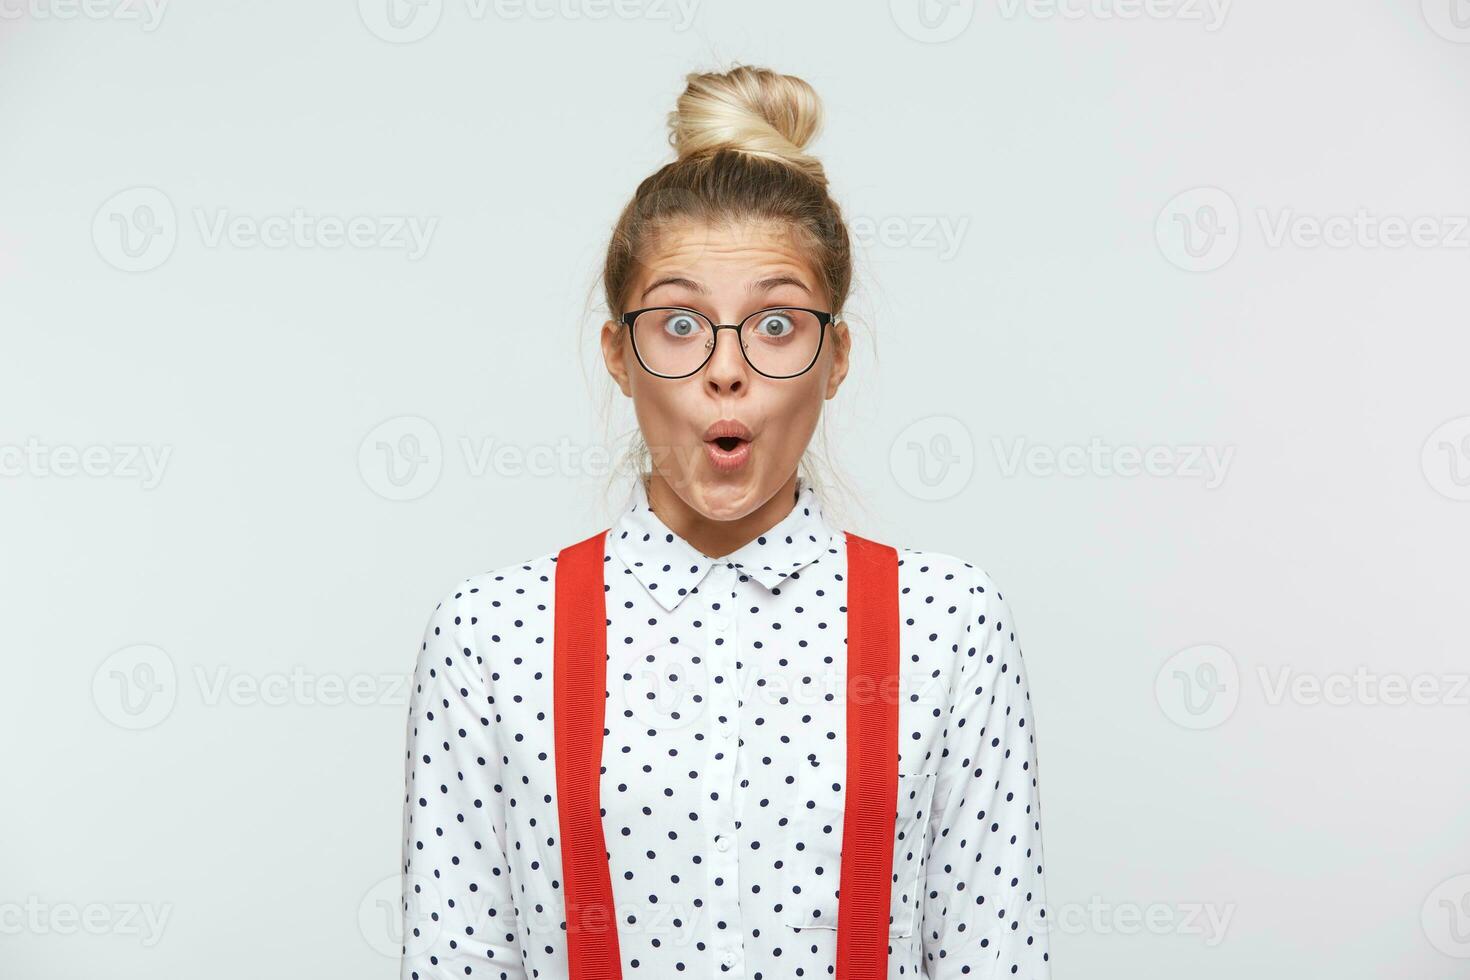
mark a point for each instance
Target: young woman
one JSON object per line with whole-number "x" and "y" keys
{"x": 723, "y": 738}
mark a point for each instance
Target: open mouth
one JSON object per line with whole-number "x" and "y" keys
{"x": 727, "y": 442}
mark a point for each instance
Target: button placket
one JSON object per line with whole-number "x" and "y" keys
{"x": 724, "y": 853}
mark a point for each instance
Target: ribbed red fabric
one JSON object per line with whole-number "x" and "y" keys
{"x": 579, "y": 672}
{"x": 870, "y": 803}
{"x": 579, "y": 653}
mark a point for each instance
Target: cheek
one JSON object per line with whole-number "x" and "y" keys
{"x": 798, "y": 407}
{"x": 664, "y": 409}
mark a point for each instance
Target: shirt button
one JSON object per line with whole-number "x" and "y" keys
{"x": 719, "y": 623}
{"x": 728, "y": 959}
{"x": 722, "y": 841}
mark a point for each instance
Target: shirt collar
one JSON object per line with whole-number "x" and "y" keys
{"x": 670, "y": 567}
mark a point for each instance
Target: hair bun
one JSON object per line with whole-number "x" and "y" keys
{"x": 754, "y": 110}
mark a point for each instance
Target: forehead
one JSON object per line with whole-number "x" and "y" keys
{"x": 727, "y": 252}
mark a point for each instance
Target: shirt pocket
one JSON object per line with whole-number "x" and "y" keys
{"x": 813, "y": 862}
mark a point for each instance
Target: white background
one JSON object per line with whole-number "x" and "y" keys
{"x": 205, "y": 659}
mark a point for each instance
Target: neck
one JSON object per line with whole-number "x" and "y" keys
{"x": 713, "y": 537}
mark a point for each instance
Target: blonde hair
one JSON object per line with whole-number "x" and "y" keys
{"x": 740, "y": 140}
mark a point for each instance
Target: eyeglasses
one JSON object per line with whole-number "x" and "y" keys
{"x": 675, "y": 342}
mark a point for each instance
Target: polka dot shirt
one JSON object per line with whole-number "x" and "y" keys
{"x": 724, "y": 763}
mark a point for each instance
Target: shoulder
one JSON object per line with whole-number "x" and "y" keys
{"x": 507, "y": 585}
{"x": 941, "y": 572}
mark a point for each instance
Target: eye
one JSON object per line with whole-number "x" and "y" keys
{"x": 775, "y": 325}
{"x": 681, "y": 325}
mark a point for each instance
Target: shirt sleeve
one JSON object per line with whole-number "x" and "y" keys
{"x": 984, "y": 912}
{"x": 458, "y": 917}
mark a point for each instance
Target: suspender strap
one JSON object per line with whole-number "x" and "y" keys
{"x": 579, "y": 652}
{"x": 870, "y": 805}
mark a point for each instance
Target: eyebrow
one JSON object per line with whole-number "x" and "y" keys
{"x": 757, "y": 286}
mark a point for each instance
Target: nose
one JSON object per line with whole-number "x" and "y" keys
{"x": 727, "y": 370}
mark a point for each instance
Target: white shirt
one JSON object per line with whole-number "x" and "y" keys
{"x": 724, "y": 762}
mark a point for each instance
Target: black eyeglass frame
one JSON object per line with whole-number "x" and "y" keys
{"x": 824, "y": 319}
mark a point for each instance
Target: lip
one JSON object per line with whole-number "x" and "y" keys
{"x": 727, "y": 460}
{"x": 728, "y": 427}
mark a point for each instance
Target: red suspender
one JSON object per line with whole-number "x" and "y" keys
{"x": 870, "y": 806}
{"x": 579, "y": 652}
{"x": 870, "y": 803}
